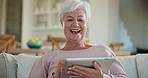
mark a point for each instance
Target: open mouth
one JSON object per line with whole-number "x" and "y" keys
{"x": 75, "y": 31}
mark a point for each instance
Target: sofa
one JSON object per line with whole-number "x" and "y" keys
{"x": 19, "y": 66}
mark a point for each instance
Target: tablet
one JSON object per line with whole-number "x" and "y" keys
{"x": 104, "y": 62}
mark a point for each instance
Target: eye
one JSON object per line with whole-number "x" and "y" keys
{"x": 69, "y": 19}
{"x": 81, "y": 20}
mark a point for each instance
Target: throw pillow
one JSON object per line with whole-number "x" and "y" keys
{"x": 7, "y": 66}
{"x": 2, "y": 67}
{"x": 142, "y": 65}
{"x": 25, "y": 63}
{"x": 129, "y": 64}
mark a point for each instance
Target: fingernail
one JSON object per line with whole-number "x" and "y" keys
{"x": 68, "y": 72}
{"x": 69, "y": 68}
{"x": 95, "y": 62}
{"x": 74, "y": 67}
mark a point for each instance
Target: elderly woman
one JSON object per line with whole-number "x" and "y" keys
{"x": 74, "y": 17}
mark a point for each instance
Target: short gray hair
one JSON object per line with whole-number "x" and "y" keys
{"x": 71, "y": 5}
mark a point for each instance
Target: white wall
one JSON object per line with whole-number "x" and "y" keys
{"x": 134, "y": 15}
{"x": 103, "y": 27}
{"x": 114, "y": 19}
{"x": 146, "y": 34}
{"x": 26, "y": 22}
{"x": 2, "y": 16}
{"x": 104, "y": 24}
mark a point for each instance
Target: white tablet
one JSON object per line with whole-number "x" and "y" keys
{"x": 104, "y": 62}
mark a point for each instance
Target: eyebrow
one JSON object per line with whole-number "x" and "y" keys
{"x": 72, "y": 17}
{"x": 80, "y": 16}
{"x": 69, "y": 17}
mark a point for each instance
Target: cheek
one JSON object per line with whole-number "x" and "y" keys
{"x": 66, "y": 29}
{"x": 66, "y": 24}
{"x": 84, "y": 27}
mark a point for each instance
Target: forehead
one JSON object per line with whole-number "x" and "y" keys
{"x": 78, "y": 12}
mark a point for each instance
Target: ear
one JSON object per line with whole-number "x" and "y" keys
{"x": 61, "y": 23}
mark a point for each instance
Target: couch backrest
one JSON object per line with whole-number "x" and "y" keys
{"x": 129, "y": 64}
{"x": 21, "y": 65}
{"x": 25, "y": 63}
{"x": 16, "y": 66}
{"x": 8, "y": 67}
{"x": 142, "y": 65}
{"x": 2, "y": 67}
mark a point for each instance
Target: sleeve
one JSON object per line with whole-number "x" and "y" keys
{"x": 116, "y": 70}
{"x": 40, "y": 68}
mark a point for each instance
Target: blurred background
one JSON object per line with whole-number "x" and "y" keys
{"x": 123, "y": 21}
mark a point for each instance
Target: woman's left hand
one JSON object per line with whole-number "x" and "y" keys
{"x": 58, "y": 70}
{"x": 85, "y": 72}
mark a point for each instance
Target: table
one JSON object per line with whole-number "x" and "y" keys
{"x": 122, "y": 53}
{"x": 17, "y": 51}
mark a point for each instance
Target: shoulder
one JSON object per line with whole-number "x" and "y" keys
{"x": 48, "y": 55}
{"x": 51, "y": 55}
{"x": 105, "y": 50}
{"x": 103, "y": 47}
{"x": 46, "y": 59}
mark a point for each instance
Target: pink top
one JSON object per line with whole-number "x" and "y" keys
{"x": 45, "y": 66}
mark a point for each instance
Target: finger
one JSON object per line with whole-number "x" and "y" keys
{"x": 61, "y": 63}
{"x": 58, "y": 69}
{"x": 72, "y": 73}
{"x": 97, "y": 66}
{"x": 79, "y": 70}
{"x": 75, "y": 74}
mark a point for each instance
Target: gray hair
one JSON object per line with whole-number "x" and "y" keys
{"x": 71, "y": 5}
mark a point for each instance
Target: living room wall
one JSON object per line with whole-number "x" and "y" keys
{"x": 0, "y": 15}
{"x": 104, "y": 23}
{"x": 103, "y": 27}
{"x": 134, "y": 14}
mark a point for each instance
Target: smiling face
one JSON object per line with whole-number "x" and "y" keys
{"x": 75, "y": 25}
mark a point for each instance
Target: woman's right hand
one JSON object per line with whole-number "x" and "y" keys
{"x": 77, "y": 71}
{"x": 58, "y": 70}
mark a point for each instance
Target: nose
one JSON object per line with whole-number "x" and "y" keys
{"x": 75, "y": 23}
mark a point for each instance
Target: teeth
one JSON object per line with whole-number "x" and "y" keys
{"x": 75, "y": 30}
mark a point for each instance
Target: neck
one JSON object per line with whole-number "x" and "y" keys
{"x": 75, "y": 46}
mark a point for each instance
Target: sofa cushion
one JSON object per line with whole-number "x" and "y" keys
{"x": 142, "y": 65}
{"x": 129, "y": 64}
{"x": 7, "y": 66}
{"x": 25, "y": 63}
{"x": 2, "y": 66}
